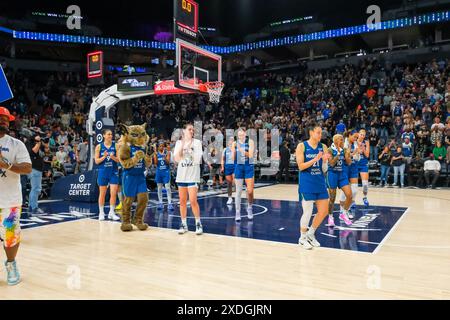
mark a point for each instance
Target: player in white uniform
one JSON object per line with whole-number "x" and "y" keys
{"x": 14, "y": 161}
{"x": 188, "y": 154}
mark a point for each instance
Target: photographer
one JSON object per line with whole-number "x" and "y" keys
{"x": 35, "y": 147}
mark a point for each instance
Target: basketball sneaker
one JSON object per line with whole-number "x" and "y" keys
{"x": 238, "y": 216}
{"x": 331, "y": 220}
{"x": 113, "y": 216}
{"x": 198, "y": 229}
{"x": 183, "y": 229}
{"x": 101, "y": 217}
{"x": 313, "y": 241}
{"x": 13, "y": 275}
{"x": 119, "y": 207}
{"x": 366, "y": 202}
{"x": 230, "y": 201}
{"x": 304, "y": 243}
{"x": 171, "y": 207}
{"x": 343, "y": 216}
{"x": 250, "y": 213}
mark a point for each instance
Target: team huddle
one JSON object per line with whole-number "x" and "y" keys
{"x": 322, "y": 170}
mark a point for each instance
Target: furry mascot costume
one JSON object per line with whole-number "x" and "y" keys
{"x": 134, "y": 159}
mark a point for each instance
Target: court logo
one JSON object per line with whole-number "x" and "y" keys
{"x": 74, "y": 20}
{"x": 82, "y": 178}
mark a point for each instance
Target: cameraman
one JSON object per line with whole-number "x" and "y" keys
{"x": 36, "y": 154}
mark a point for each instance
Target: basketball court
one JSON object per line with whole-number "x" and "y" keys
{"x": 398, "y": 249}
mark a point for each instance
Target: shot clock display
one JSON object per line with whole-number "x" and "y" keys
{"x": 186, "y": 19}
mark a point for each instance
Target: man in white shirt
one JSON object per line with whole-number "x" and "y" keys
{"x": 432, "y": 168}
{"x": 14, "y": 161}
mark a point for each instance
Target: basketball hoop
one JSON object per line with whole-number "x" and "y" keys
{"x": 214, "y": 89}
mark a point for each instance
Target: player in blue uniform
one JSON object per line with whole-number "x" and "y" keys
{"x": 162, "y": 161}
{"x": 108, "y": 175}
{"x": 243, "y": 150}
{"x": 312, "y": 159}
{"x": 352, "y": 145}
{"x": 228, "y": 167}
{"x": 363, "y": 163}
{"x": 338, "y": 178}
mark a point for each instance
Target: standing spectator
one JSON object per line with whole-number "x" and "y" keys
{"x": 385, "y": 161}
{"x": 81, "y": 155}
{"x": 374, "y": 141}
{"x": 398, "y": 163}
{"x": 285, "y": 157}
{"x": 61, "y": 155}
{"x": 407, "y": 148}
{"x": 416, "y": 168}
{"x": 36, "y": 155}
{"x": 439, "y": 152}
{"x": 432, "y": 168}
{"x": 436, "y": 135}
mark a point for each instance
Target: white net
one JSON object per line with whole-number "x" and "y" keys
{"x": 214, "y": 90}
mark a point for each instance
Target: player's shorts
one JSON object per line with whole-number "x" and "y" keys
{"x": 133, "y": 185}
{"x": 228, "y": 170}
{"x": 162, "y": 176}
{"x": 313, "y": 196}
{"x": 244, "y": 171}
{"x": 352, "y": 171}
{"x": 106, "y": 177}
{"x": 187, "y": 185}
{"x": 363, "y": 168}
{"x": 10, "y": 226}
{"x": 337, "y": 180}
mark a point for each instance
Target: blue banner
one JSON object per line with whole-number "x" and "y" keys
{"x": 77, "y": 187}
{"x": 5, "y": 90}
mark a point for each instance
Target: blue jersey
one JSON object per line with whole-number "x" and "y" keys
{"x": 312, "y": 180}
{"x": 240, "y": 157}
{"x": 363, "y": 160}
{"x": 162, "y": 165}
{"x": 227, "y": 158}
{"x": 108, "y": 164}
{"x": 340, "y": 164}
{"x": 139, "y": 168}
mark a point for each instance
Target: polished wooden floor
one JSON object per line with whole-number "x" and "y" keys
{"x": 87, "y": 259}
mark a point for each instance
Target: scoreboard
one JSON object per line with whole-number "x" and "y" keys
{"x": 186, "y": 20}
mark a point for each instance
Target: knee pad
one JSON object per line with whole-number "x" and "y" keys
{"x": 365, "y": 184}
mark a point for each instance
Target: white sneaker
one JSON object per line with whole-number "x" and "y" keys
{"x": 238, "y": 216}
{"x": 313, "y": 241}
{"x": 198, "y": 229}
{"x": 230, "y": 201}
{"x": 113, "y": 216}
{"x": 183, "y": 229}
{"x": 351, "y": 215}
{"x": 101, "y": 217}
{"x": 250, "y": 213}
{"x": 304, "y": 243}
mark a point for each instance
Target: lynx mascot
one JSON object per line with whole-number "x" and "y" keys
{"x": 134, "y": 160}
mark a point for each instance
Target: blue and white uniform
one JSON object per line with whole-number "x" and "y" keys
{"x": 352, "y": 169}
{"x": 337, "y": 175}
{"x": 363, "y": 163}
{"x": 244, "y": 168}
{"x": 108, "y": 172}
{"x": 162, "y": 168}
{"x": 229, "y": 164}
{"x": 312, "y": 185}
{"x": 134, "y": 178}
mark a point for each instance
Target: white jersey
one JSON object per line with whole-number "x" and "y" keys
{"x": 10, "y": 188}
{"x": 189, "y": 167}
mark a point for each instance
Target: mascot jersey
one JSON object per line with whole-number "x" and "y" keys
{"x": 134, "y": 178}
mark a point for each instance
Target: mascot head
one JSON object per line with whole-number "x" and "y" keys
{"x": 134, "y": 135}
